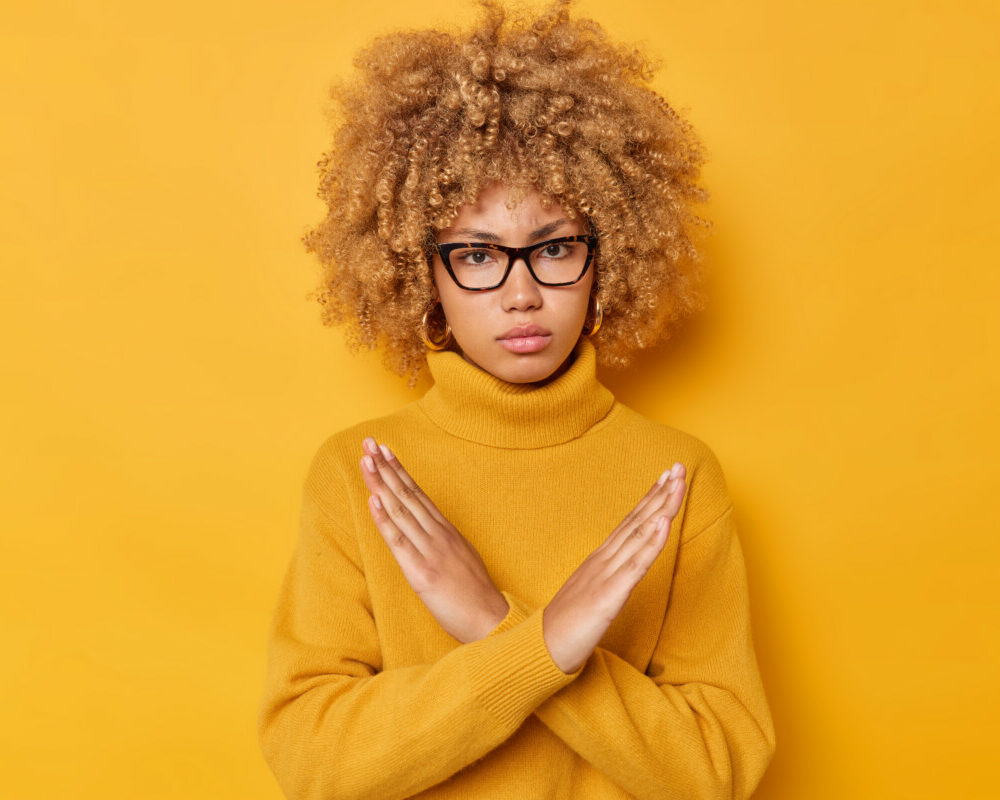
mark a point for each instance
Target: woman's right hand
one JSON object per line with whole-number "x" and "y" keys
{"x": 582, "y": 610}
{"x": 440, "y": 564}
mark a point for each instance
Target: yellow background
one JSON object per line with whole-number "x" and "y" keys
{"x": 166, "y": 382}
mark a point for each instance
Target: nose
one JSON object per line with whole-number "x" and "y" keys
{"x": 520, "y": 291}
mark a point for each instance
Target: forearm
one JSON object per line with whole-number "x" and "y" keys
{"x": 692, "y": 740}
{"x": 335, "y": 723}
{"x": 692, "y": 722}
{"x": 395, "y": 733}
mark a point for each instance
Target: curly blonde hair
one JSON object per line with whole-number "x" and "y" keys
{"x": 547, "y": 103}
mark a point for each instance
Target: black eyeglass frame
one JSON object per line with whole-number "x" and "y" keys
{"x": 513, "y": 254}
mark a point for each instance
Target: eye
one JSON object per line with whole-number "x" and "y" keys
{"x": 474, "y": 257}
{"x": 557, "y": 250}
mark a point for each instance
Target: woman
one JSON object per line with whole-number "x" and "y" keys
{"x": 549, "y": 599}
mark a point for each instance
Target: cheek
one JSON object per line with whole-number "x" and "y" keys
{"x": 459, "y": 306}
{"x": 438, "y": 275}
{"x": 581, "y": 304}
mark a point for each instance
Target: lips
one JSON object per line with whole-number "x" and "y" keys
{"x": 525, "y": 339}
{"x": 524, "y": 331}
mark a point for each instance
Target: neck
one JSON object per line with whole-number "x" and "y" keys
{"x": 472, "y": 404}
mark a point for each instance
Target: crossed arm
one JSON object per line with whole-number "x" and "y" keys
{"x": 694, "y": 724}
{"x": 634, "y": 727}
{"x": 448, "y": 575}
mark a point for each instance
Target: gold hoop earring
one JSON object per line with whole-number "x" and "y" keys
{"x": 595, "y": 326}
{"x": 425, "y": 335}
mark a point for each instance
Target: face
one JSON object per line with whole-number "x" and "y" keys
{"x": 520, "y": 332}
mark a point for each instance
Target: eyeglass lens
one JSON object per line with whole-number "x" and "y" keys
{"x": 479, "y": 267}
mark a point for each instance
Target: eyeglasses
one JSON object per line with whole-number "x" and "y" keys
{"x": 480, "y": 266}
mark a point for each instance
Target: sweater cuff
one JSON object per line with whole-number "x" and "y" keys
{"x": 512, "y": 672}
{"x": 517, "y": 613}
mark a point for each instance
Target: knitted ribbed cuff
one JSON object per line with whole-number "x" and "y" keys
{"x": 512, "y": 671}
{"x": 517, "y": 612}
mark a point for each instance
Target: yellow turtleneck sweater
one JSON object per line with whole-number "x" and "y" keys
{"x": 367, "y": 697}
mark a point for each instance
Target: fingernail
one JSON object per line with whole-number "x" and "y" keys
{"x": 369, "y": 463}
{"x": 676, "y": 468}
{"x": 376, "y": 502}
{"x": 368, "y": 445}
{"x": 385, "y": 451}
{"x": 663, "y": 477}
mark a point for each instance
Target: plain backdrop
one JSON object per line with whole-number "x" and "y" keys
{"x": 165, "y": 381}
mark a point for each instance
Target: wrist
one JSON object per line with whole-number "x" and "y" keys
{"x": 498, "y": 613}
{"x": 565, "y": 661}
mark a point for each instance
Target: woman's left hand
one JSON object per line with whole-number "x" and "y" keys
{"x": 440, "y": 565}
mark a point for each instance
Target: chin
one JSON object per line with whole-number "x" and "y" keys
{"x": 527, "y": 375}
{"x": 533, "y": 368}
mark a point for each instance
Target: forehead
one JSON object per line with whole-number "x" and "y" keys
{"x": 489, "y": 212}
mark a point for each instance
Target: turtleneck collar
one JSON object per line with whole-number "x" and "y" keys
{"x": 472, "y": 404}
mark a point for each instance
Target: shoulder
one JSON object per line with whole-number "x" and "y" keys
{"x": 334, "y": 462}
{"x": 707, "y": 493}
{"x": 632, "y": 425}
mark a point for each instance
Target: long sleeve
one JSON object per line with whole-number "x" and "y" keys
{"x": 696, "y": 724}
{"x": 367, "y": 697}
{"x": 333, "y": 725}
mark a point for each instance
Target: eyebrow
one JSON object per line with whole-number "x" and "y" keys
{"x": 486, "y": 236}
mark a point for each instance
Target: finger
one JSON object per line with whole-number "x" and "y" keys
{"x": 669, "y": 479}
{"x": 647, "y": 508}
{"x": 639, "y": 538}
{"x": 652, "y": 500}
{"x": 650, "y": 497}
{"x": 676, "y": 498}
{"x": 670, "y": 503}
{"x": 400, "y": 545}
{"x": 405, "y": 493}
{"x": 392, "y": 505}
{"x": 667, "y": 510}
{"x": 373, "y": 478}
{"x": 658, "y": 501}
{"x": 654, "y": 497}
{"x": 630, "y": 570}
{"x": 411, "y": 485}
